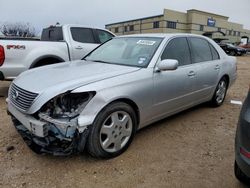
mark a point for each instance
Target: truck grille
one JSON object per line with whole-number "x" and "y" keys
{"x": 21, "y": 98}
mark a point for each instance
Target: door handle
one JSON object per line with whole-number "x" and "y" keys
{"x": 79, "y": 48}
{"x": 217, "y": 67}
{"x": 191, "y": 74}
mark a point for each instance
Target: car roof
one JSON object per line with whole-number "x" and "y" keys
{"x": 79, "y": 25}
{"x": 163, "y": 35}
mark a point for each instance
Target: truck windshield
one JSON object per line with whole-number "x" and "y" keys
{"x": 130, "y": 51}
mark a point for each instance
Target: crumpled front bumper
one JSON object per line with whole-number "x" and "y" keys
{"x": 46, "y": 138}
{"x": 51, "y": 144}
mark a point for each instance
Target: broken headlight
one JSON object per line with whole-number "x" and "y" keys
{"x": 67, "y": 105}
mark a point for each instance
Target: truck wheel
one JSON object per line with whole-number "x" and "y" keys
{"x": 112, "y": 131}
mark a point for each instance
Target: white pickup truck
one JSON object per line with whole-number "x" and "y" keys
{"x": 57, "y": 44}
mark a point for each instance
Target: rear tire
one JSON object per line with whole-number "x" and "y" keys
{"x": 112, "y": 131}
{"x": 220, "y": 93}
{"x": 241, "y": 176}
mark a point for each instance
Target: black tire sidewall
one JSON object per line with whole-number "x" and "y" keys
{"x": 214, "y": 101}
{"x": 241, "y": 176}
{"x": 93, "y": 145}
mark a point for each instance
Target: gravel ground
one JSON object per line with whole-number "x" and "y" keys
{"x": 192, "y": 149}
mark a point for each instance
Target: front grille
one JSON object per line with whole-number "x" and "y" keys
{"x": 21, "y": 98}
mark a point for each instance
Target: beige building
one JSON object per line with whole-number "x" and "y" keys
{"x": 194, "y": 21}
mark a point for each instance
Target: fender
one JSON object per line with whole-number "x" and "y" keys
{"x": 45, "y": 57}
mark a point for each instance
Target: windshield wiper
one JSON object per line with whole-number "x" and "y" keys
{"x": 99, "y": 61}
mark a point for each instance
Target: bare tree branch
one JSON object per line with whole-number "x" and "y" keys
{"x": 18, "y": 29}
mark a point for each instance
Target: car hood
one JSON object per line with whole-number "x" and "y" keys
{"x": 68, "y": 76}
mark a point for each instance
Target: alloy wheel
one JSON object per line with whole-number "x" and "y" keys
{"x": 116, "y": 131}
{"x": 221, "y": 91}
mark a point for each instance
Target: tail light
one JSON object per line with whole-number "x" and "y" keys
{"x": 245, "y": 153}
{"x": 2, "y": 55}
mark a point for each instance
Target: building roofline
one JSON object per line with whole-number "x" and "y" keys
{"x": 200, "y": 11}
{"x": 134, "y": 20}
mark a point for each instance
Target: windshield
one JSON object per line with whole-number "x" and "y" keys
{"x": 130, "y": 51}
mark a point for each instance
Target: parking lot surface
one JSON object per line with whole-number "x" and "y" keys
{"x": 194, "y": 148}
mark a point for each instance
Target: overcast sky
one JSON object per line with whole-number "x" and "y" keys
{"x": 42, "y": 13}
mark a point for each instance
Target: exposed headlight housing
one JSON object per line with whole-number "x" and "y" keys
{"x": 67, "y": 105}
{"x": 62, "y": 111}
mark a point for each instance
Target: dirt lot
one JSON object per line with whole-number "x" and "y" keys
{"x": 192, "y": 149}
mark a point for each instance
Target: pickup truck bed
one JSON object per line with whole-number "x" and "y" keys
{"x": 18, "y": 60}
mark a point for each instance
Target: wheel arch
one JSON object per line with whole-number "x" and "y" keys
{"x": 130, "y": 103}
{"x": 226, "y": 76}
{"x": 49, "y": 58}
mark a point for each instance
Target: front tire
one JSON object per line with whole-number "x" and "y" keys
{"x": 220, "y": 93}
{"x": 112, "y": 131}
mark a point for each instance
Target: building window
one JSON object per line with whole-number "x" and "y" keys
{"x": 201, "y": 27}
{"x": 131, "y": 28}
{"x": 125, "y": 28}
{"x": 116, "y": 29}
{"x": 219, "y": 29}
{"x": 234, "y": 33}
{"x": 238, "y": 33}
{"x": 230, "y": 32}
{"x": 156, "y": 24}
{"x": 171, "y": 25}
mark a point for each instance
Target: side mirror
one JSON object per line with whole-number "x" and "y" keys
{"x": 168, "y": 64}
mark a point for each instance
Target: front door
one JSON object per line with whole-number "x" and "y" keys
{"x": 173, "y": 90}
{"x": 83, "y": 42}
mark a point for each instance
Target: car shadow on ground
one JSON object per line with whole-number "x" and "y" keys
{"x": 171, "y": 118}
{"x": 150, "y": 128}
{"x": 4, "y": 89}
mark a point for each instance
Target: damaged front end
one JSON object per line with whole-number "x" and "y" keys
{"x": 56, "y": 130}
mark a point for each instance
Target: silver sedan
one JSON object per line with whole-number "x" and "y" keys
{"x": 125, "y": 84}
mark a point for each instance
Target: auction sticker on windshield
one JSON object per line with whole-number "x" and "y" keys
{"x": 146, "y": 42}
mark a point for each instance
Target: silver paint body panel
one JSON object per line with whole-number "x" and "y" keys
{"x": 156, "y": 94}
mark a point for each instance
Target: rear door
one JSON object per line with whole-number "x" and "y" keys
{"x": 173, "y": 90}
{"x": 83, "y": 41}
{"x": 207, "y": 63}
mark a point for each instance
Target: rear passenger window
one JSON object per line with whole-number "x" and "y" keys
{"x": 215, "y": 54}
{"x": 52, "y": 34}
{"x": 103, "y": 36}
{"x": 83, "y": 35}
{"x": 177, "y": 49}
{"x": 200, "y": 50}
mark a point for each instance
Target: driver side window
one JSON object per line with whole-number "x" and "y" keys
{"x": 178, "y": 49}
